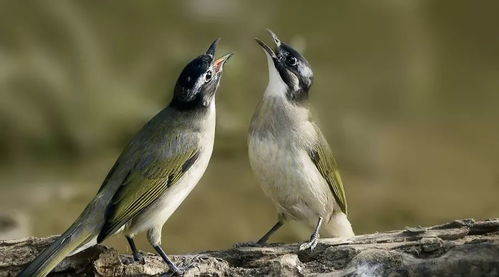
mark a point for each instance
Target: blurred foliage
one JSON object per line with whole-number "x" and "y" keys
{"x": 407, "y": 93}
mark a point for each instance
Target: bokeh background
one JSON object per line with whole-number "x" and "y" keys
{"x": 407, "y": 93}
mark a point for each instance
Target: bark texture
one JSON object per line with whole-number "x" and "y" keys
{"x": 459, "y": 248}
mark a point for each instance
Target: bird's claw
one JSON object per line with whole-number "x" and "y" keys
{"x": 181, "y": 270}
{"x": 311, "y": 244}
{"x": 139, "y": 258}
{"x": 174, "y": 271}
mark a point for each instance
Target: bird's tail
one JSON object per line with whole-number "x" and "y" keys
{"x": 75, "y": 239}
{"x": 337, "y": 227}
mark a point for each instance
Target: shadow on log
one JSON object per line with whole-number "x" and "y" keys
{"x": 459, "y": 248}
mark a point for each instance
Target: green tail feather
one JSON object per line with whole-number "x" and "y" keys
{"x": 49, "y": 258}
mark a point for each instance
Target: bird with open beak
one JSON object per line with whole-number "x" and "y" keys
{"x": 153, "y": 175}
{"x": 289, "y": 154}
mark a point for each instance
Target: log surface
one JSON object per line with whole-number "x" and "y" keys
{"x": 459, "y": 248}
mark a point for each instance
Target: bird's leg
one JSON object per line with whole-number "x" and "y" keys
{"x": 314, "y": 238}
{"x": 136, "y": 254}
{"x": 265, "y": 237}
{"x": 154, "y": 237}
{"x": 263, "y": 240}
{"x": 171, "y": 265}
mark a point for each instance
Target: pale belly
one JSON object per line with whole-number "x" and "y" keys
{"x": 159, "y": 212}
{"x": 290, "y": 179}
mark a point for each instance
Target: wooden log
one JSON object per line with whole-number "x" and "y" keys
{"x": 458, "y": 248}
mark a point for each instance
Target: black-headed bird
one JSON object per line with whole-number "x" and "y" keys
{"x": 289, "y": 154}
{"x": 153, "y": 175}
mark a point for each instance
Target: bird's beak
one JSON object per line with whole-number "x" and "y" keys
{"x": 267, "y": 48}
{"x": 219, "y": 63}
{"x": 213, "y": 48}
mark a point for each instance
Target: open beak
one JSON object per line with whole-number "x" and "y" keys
{"x": 213, "y": 48}
{"x": 267, "y": 48}
{"x": 218, "y": 64}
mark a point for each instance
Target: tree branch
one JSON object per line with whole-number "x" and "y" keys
{"x": 459, "y": 248}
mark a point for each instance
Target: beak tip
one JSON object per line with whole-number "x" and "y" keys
{"x": 213, "y": 47}
{"x": 219, "y": 63}
{"x": 274, "y": 37}
{"x": 228, "y": 56}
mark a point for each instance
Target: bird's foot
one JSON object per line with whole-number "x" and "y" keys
{"x": 311, "y": 244}
{"x": 139, "y": 258}
{"x": 190, "y": 263}
{"x": 248, "y": 244}
{"x": 174, "y": 271}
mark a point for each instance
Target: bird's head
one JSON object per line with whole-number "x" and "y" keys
{"x": 289, "y": 67}
{"x": 198, "y": 82}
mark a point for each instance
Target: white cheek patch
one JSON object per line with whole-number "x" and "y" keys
{"x": 294, "y": 80}
{"x": 305, "y": 71}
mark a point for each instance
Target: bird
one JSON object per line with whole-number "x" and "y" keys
{"x": 288, "y": 153}
{"x": 155, "y": 172}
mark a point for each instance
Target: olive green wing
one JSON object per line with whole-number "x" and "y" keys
{"x": 142, "y": 186}
{"x": 322, "y": 156}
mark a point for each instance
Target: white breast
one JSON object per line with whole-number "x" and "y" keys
{"x": 289, "y": 178}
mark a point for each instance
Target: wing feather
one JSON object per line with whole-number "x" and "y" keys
{"x": 142, "y": 187}
{"x": 322, "y": 156}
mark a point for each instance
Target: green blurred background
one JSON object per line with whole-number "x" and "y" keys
{"x": 407, "y": 93}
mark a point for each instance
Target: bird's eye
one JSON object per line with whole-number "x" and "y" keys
{"x": 291, "y": 61}
{"x": 208, "y": 76}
